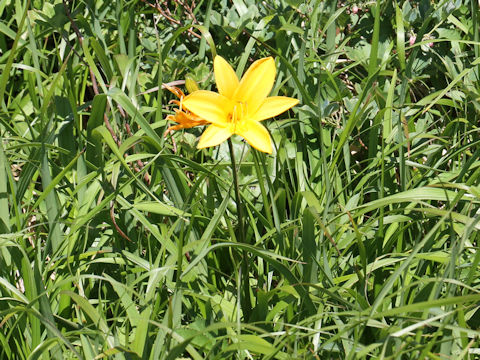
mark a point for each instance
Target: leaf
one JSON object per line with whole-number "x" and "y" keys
{"x": 160, "y": 208}
{"x": 256, "y": 345}
{"x": 119, "y": 96}
{"x": 292, "y": 28}
{"x": 94, "y": 150}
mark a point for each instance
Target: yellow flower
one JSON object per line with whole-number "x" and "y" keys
{"x": 185, "y": 118}
{"x": 239, "y": 106}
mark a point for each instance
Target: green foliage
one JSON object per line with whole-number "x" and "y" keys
{"x": 120, "y": 240}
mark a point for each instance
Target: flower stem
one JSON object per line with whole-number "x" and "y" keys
{"x": 240, "y": 233}
{"x": 246, "y": 301}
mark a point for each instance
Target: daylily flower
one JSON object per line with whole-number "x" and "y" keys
{"x": 239, "y": 105}
{"x": 185, "y": 118}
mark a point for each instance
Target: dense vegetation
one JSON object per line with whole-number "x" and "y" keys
{"x": 357, "y": 238}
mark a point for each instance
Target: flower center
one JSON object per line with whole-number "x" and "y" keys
{"x": 238, "y": 113}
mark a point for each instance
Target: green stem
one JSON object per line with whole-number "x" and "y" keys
{"x": 246, "y": 301}
{"x": 240, "y": 233}
{"x": 180, "y": 255}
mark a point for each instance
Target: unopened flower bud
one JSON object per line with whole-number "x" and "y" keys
{"x": 412, "y": 39}
{"x": 191, "y": 84}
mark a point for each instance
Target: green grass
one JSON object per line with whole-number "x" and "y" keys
{"x": 360, "y": 236}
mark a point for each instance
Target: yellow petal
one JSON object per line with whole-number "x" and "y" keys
{"x": 256, "y": 135}
{"x": 213, "y": 135}
{"x": 256, "y": 84}
{"x": 273, "y": 106}
{"x": 209, "y": 105}
{"x": 225, "y": 77}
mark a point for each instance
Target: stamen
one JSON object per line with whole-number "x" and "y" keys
{"x": 234, "y": 118}
{"x": 181, "y": 100}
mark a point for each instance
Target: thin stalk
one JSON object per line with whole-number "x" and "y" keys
{"x": 180, "y": 255}
{"x": 241, "y": 234}
{"x": 246, "y": 301}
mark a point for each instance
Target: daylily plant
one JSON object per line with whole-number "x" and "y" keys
{"x": 239, "y": 105}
